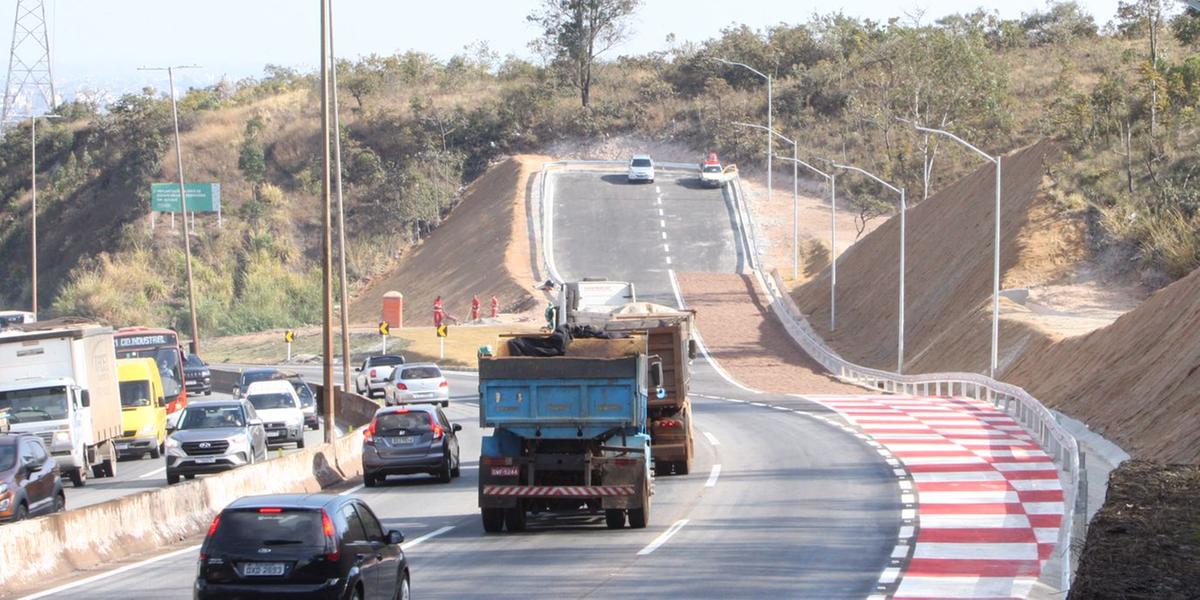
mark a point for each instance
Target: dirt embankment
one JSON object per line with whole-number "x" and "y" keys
{"x": 1145, "y": 542}
{"x": 482, "y": 248}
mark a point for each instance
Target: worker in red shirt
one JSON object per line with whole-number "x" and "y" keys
{"x": 495, "y": 307}
{"x": 438, "y": 313}
{"x": 475, "y": 307}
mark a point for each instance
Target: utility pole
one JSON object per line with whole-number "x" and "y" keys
{"x": 33, "y": 247}
{"x": 831, "y": 178}
{"x": 770, "y": 117}
{"x": 327, "y": 234}
{"x": 187, "y": 242}
{"x": 903, "y": 233}
{"x": 337, "y": 169}
{"x": 795, "y": 193}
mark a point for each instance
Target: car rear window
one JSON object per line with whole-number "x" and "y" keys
{"x": 265, "y": 529}
{"x": 386, "y": 361}
{"x": 304, "y": 392}
{"x": 421, "y": 373}
{"x": 418, "y": 421}
{"x": 250, "y": 377}
{"x": 269, "y": 401}
{"x": 641, "y": 162}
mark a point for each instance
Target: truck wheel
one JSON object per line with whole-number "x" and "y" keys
{"x": 300, "y": 442}
{"x": 514, "y": 518}
{"x": 614, "y": 518}
{"x": 639, "y": 517}
{"x": 493, "y": 519}
{"x": 78, "y": 477}
{"x": 109, "y": 466}
{"x": 172, "y": 478}
{"x": 683, "y": 467}
{"x": 98, "y": 471}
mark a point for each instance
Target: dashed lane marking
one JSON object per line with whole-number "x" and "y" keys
{"x": 668, "y": 260}
{"x": 153, "y": 473}
{"x": 409, "y": 545}
{"x": 712, "y": 439}
{"x": 662, "y": 539}
{"x": 712, "y": 476}
{"x": 352, "y": 490}
{"x": 113, "y": 573}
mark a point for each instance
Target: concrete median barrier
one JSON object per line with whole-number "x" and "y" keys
{"x": 41, "y": 551}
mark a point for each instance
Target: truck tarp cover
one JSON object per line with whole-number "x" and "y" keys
{"x": 556, "y": 344}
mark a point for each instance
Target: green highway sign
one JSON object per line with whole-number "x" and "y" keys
{"x": 201, "y": 197}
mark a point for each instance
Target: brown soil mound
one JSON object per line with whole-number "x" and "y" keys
{"x": 1145, "y": 542}
{"x": 482, "y": 248}
{"x": 1136, "y": 381}
{"x": 742, "y": 334}
{"x": 949, "y": 272}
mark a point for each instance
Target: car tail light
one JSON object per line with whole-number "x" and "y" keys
{"x": 493, "y": 461}
{"x": 331, "y": 549}
{"x": 437, "y": 431}
{"x": 369, "y": 434}
{"x": 668, "y": 423}
{"x": 401, "y": 386}
{"x": 270, "y": 510}
{"x": 444, "y": 383}
{"x": 216, "y": 522}
{"x": 372, "y": 373}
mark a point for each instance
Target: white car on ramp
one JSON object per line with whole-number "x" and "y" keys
{"x": 641, "y": 168}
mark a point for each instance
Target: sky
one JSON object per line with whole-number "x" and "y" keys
{"x": 99, "y": 44}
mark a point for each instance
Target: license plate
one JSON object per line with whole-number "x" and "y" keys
{"x": 506, "y": 471}
{"x": 206, "y": 461}
{"x": 263, "y": 569}
{"x": 274, "y": 433}
{"x": 122, "y": 446}
{"x": 404, "y": 439}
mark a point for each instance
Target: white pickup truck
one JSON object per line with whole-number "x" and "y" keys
{"x": 712, "y": 174}
{"x": 373, "y": 376}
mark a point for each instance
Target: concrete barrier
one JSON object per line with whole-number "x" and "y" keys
{"x": 39, "y": 551}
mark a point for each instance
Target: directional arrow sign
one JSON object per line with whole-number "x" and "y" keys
{"x": 443, "y": 330}
{"x": 385, "y": 328}
{"x": 289, "y": 336}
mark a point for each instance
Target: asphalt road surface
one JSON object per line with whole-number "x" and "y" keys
{"x": 777, "y": 504}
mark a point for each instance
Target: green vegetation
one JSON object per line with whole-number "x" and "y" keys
{"x": 415, "y": 129}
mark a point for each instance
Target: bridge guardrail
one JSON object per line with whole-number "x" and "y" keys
{"x": 1015, "y": 401}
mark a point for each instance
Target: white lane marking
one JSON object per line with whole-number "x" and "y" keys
{"x": 660, "y": 212}
{"x": 352, "y": 490}
{"x": 667, "y": 248}
{"x": 712, "y": 477}
{"x": 664, "y": 235}
{"x": 657, "y": 190}
{"x": 668, "y": 260}
{"x": 712, "y": 439}
{"x": 662, "y": 223}
{"x": 112, "y": 573}
{"x": 158, "y": 471}
{"x": 432, "y": 534}
{"x": 662, "y": 539}
{"x": 659, "y": 200}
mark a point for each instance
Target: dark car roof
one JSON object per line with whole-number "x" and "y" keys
{"x": 289, "y": 501}
{"x": 259, "y": 370}
{"x": 11, "y": 437}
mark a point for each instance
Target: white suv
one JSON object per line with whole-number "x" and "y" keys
{"x": 279, "y": 407}
{"x": 641, "y": 168}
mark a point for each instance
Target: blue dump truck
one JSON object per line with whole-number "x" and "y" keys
{"x": 569, "y": 429}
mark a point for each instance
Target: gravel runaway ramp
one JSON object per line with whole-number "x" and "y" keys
{"x": 740, "y": 332}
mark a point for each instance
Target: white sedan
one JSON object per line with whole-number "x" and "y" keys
{"x": 417, "y": 383}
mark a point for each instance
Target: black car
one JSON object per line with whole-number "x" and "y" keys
{"x": 250, "y": 376}
{"x": 301, "y": 546}
{"x": 197, "y": 376}
{"x": 29, "y": 481}
{"x": 402, "y": 440}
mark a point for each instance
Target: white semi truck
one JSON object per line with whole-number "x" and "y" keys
{"x": 58, "y": 380}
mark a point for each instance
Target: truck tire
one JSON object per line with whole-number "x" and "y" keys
{"x": 639, "y": 517}
{"x": 300, "y": 442}
{"x": 614, "y": 518}
{"x": 683, "y": 467}
{"x": 78, "y": 477}
{"x": 493, "y": 519}
{"x": 109, "y": 467}
{"x": 514, "y": 518}
{"x": 172, "y": 478}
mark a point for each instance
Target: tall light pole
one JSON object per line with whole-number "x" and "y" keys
{"x": 795, "y": 196}
{"x": 327, "y": 234}
{"x": 337, "y": 168}
{"x": 33, "y": 248}
{"x": 832, "y": 179}
{"x": 903, "y": 232}
{"x": 995, "y": 249}
{"x": 770, "y": 116}
{"x": 187, "y": 242}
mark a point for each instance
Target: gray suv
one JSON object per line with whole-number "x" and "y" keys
{"x": 214, "y": 436}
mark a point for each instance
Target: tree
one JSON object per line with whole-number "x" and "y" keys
{"x": 1147, "y": 17}
{"x": 575, "y": 32}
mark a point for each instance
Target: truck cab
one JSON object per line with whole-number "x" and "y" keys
{"x": 143, "y": 408}
{"x": 58, "y": 411}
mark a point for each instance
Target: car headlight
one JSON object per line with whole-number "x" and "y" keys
{"x": 62, "y": 437}
{"x": 3, "y": 488}
{"x": 240, "y": 439}
{"x": 5, "y": 503}
{"x": 172, "y": 443}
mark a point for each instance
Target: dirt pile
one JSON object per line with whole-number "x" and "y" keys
{"x": 482, "y": 248}
{"x": 949, "y": 271}
{"x": 1137, "y": 381}
{"x": 1144, "y": 543}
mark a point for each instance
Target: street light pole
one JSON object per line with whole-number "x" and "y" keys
{"x": 187, "y": 242}
{"x": 995, "y": 358}
{"x": 903, "y": 233}
{"x": 33, "y": 268}
{"x": 832, "y": 179}
{"x": 327, "y": 234}
{"x": 770, "y": 117}
{"x": 795, "y": 194}
{"x": 337, "y": 168}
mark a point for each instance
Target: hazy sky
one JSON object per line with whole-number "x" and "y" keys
{"x": 102, "y": 42}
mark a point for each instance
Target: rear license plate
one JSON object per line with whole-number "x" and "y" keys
{"x": 402, "y": 440}
{"x": 506, "y": 471}
{"x": 263, "y": 569}
{"x": 206, "y": 461}
{"x": 275, "y": 433}
{"x": 122, "y": 446}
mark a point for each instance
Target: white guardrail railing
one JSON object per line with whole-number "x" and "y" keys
{"x": 1024, "y": 408}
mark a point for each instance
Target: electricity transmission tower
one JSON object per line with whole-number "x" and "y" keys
{"x": 29, "y": 78}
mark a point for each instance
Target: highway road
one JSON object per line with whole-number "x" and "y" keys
{"x": 778, "y": 503}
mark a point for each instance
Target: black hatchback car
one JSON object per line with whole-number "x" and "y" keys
{"x": 301, "y": 546}
{"x": 408, "y": 439}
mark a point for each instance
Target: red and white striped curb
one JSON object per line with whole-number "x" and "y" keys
{"x": 987, "y": 501}
{"x": 531, "y": 491}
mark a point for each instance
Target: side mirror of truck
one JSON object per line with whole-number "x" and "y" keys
{"x": 656, "y": 374}
{"x": 85, "y": 399}
{"x": 692, "y": 349}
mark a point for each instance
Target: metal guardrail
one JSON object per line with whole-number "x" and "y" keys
{"x": 1013, "y": 400}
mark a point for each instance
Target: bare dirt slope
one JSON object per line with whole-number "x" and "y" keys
{"x": 1137, "y": 381}
{"x": 949, "y": 271}
{"x": 740, "y": 332}
{"x": 482, "y": 248}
